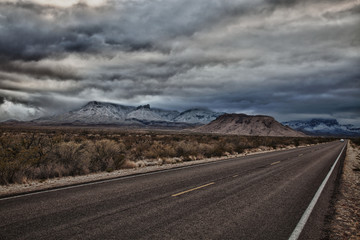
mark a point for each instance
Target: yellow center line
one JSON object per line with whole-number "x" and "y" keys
{"x": 235, "y": 175}
{"x": 275, "y": 163}
{"x": 193, "y": 189}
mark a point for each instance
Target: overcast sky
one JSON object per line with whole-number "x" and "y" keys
{"x": 291, "y": 59}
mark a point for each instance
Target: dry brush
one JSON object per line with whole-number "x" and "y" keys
{"x": 27, "y": 154}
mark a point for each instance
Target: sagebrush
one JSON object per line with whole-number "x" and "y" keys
{"x": 27, "y": 154}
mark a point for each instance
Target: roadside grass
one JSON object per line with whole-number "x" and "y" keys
{"x": 42, "y": 153}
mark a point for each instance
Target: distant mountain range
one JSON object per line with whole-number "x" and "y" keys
{"x": 242, "y": 124}
{"x": 110, "y": 113}
{"x": 323, "y": 127}
{"x": 105, "y": 113}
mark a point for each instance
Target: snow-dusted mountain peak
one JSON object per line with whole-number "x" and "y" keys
{"x": 146, "y": 106}
{"x": 320, "y": 126}
{"x": 145, "y": 113}
{"x": 197, "y": 115}
{"x": 96, "y": 112}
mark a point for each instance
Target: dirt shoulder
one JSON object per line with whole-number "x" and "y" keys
{"x": 346, "y": 220}
{"x": 146, "y": 166}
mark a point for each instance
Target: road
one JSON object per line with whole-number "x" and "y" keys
{"x": 255, "y": 197}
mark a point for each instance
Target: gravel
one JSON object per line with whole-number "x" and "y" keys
{"x": 346, "y": 221}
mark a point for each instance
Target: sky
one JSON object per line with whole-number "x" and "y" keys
{"x": 290, "y": 59}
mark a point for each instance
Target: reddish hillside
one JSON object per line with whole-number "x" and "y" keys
{"x": 242, "y": 124}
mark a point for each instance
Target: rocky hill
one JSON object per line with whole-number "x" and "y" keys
{"x": 242, "y": 124}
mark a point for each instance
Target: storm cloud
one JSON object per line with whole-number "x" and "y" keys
{"x": 289, "y": 59}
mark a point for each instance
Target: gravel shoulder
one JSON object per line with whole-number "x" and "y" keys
{"x": 346, "y": 220}
{"x": 13, "y": 189}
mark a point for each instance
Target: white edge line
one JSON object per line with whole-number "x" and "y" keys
{"x": 133, "y": 176}
{"x": 301, "y": 224}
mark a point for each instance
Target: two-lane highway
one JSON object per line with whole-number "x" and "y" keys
{"x": 255, "y": 197}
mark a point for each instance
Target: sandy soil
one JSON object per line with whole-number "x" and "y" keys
{"x": 146, "y": 166}
{"x": 346, "y": 221}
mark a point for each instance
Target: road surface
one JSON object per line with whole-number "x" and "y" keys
{"x": 255, "y": 197}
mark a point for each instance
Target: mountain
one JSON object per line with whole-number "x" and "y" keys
{"x": 110, "y": 113}
{"x": 323, "y": 127}
{"x": 166, "y": 114}
{"x": 92, "y": 113}
{"x": 242, "y": 124}
{"x": 145, "y": 113}
{"x": 197, "y": 115}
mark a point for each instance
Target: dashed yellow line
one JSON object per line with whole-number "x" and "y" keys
{"x": 275, "y": 163}
{"x": 193, "y": 189}
{"x": 235, "y": 175}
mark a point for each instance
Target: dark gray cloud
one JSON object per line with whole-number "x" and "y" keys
{"x": 32, "y": 32}
{"x": 284, "y": 58}
{"x": 33, "y": 69}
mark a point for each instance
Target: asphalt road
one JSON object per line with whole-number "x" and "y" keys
{"x": 256, "y": 197}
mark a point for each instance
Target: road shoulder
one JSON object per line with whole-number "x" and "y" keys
{"x": 346, "y": 218}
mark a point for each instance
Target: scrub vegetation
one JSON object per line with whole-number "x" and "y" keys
{"x": 41, "y": 153}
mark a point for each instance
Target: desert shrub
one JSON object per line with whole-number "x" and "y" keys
{"x": 139, "y": 147}
{"x": 17, "y": 154}
{"x": 205, "y": 150}
{"x": 239, "y": 148}
{"x": 153, "y": 151}
{"x": 41, "y": 153}
{"x": 48, "y": 170}
{"x": 106, "y": 155}
{"x": 71, "y": 157}
{"x": 168, "y": 150}
{"x": 185, "y": 149}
